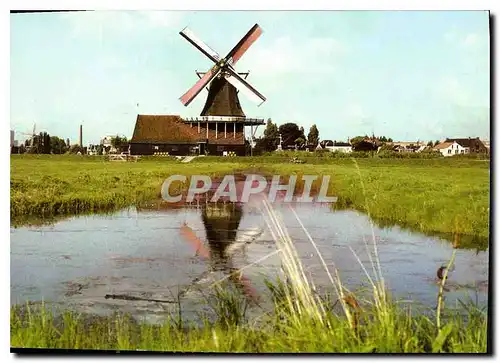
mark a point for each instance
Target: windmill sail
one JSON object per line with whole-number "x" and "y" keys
{"x": 196, "y": 89}
{"x": 244, "y": 87}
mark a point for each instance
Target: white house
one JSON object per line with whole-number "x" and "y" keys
{"x": 106, "y": 142}
{"x": 342, "y": 147}
{"x": 449, "y": 148}
{"x": 335, "y": 146}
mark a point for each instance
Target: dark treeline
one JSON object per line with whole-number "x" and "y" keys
{"x": 43, "y": 143}
{"x": 293, "y": 137}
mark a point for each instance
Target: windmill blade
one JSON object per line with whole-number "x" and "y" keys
{"x": 202, "y": 82}
{"x": 237, "y": 52}
{"x": 200, "y": 45}
{"x": 243, "y": 86}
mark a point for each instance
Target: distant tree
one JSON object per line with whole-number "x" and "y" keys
{"x": 357, "y": 139}
{"x": 46, "y": 147}
{"x": 269, "y": 141}
{"x": 387, "y": 147}
{"x": 300, "y": 141}
{"x": 436, "y": 142}
{"x": 313, "y": 136}
{"x": 302, "y": 132}
{"x": 430, "y": 144}
{"x": 362, "y": 143}
{"x": 271, "y": 132}
{"x": 118, "y": 142}
{"x": 35, "y": 144}
{"x": 75, "y": 149}
{"x": 384, "y": 139}
{"x": 290, "y": 132}
{"x": 100, "y": 148}
{"x": 57, "y": 145}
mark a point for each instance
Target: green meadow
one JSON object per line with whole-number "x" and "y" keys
{"x": 435, "y": 196}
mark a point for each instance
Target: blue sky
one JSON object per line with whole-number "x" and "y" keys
{"x": 406, "y": 75}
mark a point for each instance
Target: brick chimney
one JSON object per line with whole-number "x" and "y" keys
{"x": 81, "y": 136}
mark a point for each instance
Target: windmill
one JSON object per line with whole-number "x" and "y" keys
{"x": 32, "y": 135}
{"x": 224, "y": 83}
{"x": 222, "y": 71}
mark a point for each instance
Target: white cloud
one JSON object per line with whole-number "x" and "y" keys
{"x": 284, "y": 63}
{"x": 284, "y": 56}
{"x": 163, "y": 19}
{"x": 354, "y": 111}
{"x": 455, "y": 92}
{"x": 450, "y": 89}
{"x": 355, "y": 115}
{"x": 431, "y": 127}
{"x": 471, "y": 40}
{"x": 467, "y": 41}
{"x": 97, "y": 22}
{"x": 450, "y": 35}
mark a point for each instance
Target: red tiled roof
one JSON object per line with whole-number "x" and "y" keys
{"x": 443, "y": 145}
{"x": 172, "y": 129}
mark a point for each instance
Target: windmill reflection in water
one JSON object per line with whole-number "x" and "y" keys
{"x": 221, "y": 222}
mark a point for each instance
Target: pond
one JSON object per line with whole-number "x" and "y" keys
{"x": 97, "y": 264}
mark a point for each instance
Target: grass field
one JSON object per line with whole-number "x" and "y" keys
{"x": 446, "y": 196}
{"x": 395, "y": 332}
{"x": 431, "y": 195}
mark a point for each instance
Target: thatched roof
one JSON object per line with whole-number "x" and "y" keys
{"x": 222, "y": 100}
{"x": 167, "y": 129}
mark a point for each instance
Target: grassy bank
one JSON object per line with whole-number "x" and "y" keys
{"x": 445, "y": 195}
{"x": 398, "y": 332}
{"x": 301, "y": 319}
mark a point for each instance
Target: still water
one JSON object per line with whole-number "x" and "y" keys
{"x": 141, "y": 253}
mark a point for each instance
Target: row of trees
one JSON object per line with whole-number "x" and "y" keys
{"x": 43, "y": 143}
{"x": 291, "y": 135}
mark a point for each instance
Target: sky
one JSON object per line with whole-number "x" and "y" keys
{"x": 414, "y": 75}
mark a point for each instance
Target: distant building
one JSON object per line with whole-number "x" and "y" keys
{"x": 486, "y": 144}
{"x": 106, "y": 142}
{"x": 334, "y": 146}
{"x": 473, "y": 144}
{"x": 450, "y": 147}
{"x": 408, "y": 146}
{"x": 195, "y": 136}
